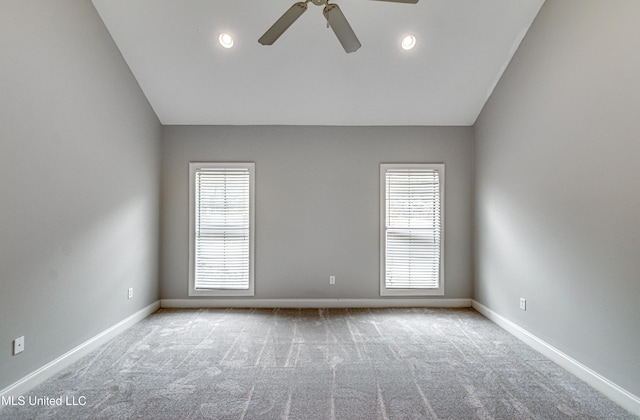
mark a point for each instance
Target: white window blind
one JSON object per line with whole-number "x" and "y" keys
{"x": 222, "y": 229}
{"x": 412, "y": 229}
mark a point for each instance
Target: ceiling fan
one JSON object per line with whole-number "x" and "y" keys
{"x": 335, "y": 19}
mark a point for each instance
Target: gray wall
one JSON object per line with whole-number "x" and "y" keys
{"x": 558, "y": 188}
{"x": 317, "y": 203}
{"x": 79, "y": 183}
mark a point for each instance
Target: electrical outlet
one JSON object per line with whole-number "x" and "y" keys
{"x": 130, "y": 294}
{"x": 523, "y": 304}
{"x": 18, "y": 345}
{"x": 332, "y": 279}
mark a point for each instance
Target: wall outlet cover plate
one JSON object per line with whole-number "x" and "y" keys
{"x": 18, "y": 345}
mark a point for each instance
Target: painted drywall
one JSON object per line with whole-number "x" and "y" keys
{"x": 558, "y": 188}
{"x": 79, "y": 183}
{"x": 317, "y": 203}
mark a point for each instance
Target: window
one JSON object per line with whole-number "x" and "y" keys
{"x": 221, "y": 226}
{"x": 412, "y": 196}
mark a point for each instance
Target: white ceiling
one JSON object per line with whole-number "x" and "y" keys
{"x": 306, "y": 78}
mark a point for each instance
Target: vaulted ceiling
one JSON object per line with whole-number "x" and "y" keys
{"x": 305, "y": 77}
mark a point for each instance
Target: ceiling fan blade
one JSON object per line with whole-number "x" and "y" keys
{"x": 341, "y": 28}
{"x": 401, "y": 1}
{"x": 282, "y": 24}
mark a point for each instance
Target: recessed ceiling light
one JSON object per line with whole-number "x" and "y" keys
{"x": 408, "y": 42}
{"x": 226, "y": 40}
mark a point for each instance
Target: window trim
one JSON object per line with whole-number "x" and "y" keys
{"x": 193, "y": 169}
{"x": 384, "y": 291}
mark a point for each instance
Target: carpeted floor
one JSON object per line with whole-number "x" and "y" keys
{"x": 315, "y": 364}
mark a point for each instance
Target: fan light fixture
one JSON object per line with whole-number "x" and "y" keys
{"x": 335, "y": 20}
{"x": 408, "y": 42}
{"x": 226, "y": 40}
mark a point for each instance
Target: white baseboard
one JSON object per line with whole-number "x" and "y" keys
{"x": 621, "y": 396}
{"x": 315, "y": 303}
{"x": 45, "y": 372}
